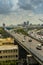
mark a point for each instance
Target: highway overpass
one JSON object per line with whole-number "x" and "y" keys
{"x": 28, "y": 46}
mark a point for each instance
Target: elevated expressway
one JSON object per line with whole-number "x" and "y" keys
{"x": 28, "y": 46}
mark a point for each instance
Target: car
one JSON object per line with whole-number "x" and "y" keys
{"x": 30, "y": 40}
{"x": 23, "y": 40}
{"x": 39, "y": 47}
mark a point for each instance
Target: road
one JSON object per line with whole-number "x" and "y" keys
{"x": 34, "y": 35}
{"x": 29, "y": 45}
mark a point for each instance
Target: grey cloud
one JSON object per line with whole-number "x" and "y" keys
{"x": 29, "y": 4}
{"x": 25, "y": 5}
{"x": 36, "y": 2}
{"x": 39, "y": 6}
{"x": 5, "y": 6}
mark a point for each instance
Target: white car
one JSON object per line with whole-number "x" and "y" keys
{"x": 39, "y": 47}
{"x": 23, "y": 40}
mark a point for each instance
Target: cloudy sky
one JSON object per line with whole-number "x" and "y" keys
{"x": 17, "y": 11}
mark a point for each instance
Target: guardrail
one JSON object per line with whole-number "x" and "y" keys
{"x": 36, "y": 39}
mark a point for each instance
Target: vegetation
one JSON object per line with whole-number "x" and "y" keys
{"x": 4, "y": 34}
{"x": 21, "y": 31}
{"x": 8, "y": 63}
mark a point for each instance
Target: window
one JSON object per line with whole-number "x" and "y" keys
{"x": 6, "y": 56}
{"x": 0, "y": 56}
{"x": 5, "y": 51}
{"x": 16, "y": 50}
{"x": 0, "y": 51}
{"x": 16, "y": 55}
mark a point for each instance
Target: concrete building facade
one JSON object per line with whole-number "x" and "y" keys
{"x": 8, "y": 51}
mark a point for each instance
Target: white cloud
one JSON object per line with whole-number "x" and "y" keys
{"x": 15, "y": 5}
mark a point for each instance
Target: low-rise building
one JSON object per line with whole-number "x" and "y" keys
{"x": 8, "y": 51}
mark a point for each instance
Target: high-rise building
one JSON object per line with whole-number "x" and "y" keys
{"x": 27, "y": 22}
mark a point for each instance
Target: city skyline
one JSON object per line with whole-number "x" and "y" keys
{"x": 18, "y": 11}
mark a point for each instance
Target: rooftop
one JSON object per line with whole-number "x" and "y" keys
{"x": 8, "y": 47}
{"x": 6, "y": 40}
